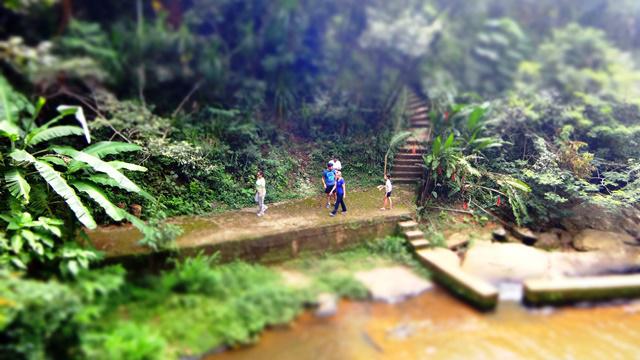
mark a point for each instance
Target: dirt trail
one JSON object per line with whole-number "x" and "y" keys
{"x": 244, "y": 224}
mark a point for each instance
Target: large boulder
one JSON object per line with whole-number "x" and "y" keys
{"x": 592, "y": 216}
{"x": 572, "y": 264}
{"x": 496, "y": 262}
{"x": 554, "y": 239}
{"x": 392, "y": 284}
{"x": 593, "y": 240}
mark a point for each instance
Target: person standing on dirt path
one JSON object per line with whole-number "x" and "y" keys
{"x": 328, "y": 181}
{"x": 261, "y": 192}
{"x": 340, "y": 189}
{"x": 388, "y": 187}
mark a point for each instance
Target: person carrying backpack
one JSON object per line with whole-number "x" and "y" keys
{"x": 340, "y": 189}
{"x": 328, "y": 181}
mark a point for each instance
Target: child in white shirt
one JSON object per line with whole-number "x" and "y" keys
{"x": 388, "y": 187}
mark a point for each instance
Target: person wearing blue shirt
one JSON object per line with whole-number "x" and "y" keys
{"x": 328, "y": 181}
{"x": 340, "y": 189}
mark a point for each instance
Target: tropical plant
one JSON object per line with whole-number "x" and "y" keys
{"x": 30, "y": 167}
{"x": 396, "y": 140}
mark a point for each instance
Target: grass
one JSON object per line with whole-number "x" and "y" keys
{"x": 200, "y": 304}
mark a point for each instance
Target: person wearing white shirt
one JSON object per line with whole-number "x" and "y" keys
{"x": 336, "y": 164}
{"x": 261, "y": 192}
{"x": 388, "y": 187}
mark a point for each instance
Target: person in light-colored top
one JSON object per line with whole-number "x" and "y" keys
{"x": 340, "y": 189}
{"x": 388, "y": 187}
{"x": 337, "y": 165}
{"x": 261, "y": 192}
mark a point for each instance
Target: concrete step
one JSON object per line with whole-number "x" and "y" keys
{"x": 412, "y": 141}
{"x": 570, "y": 290}
{"x": 408, "y": 168}
{"x": 419, "y": 116}
{"x": 413, "y": 235}
{"x": 419, "y": 244}
{"x": 406, "y": 174}
{"x": 407, "y": 225}
{"x": 407, "y": 162}
{"x": 419, "y": 110}
{"x": 402, "y": 181}
{"x": 409, "y": 156}
{"x": 410, "y": 149}
{"x": 447, "y": 272}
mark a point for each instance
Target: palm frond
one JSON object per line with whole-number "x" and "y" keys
{"x": 100, "y": 166}
{"x": 104, "y": 148}
{"x": 105, "y": 180}
{"x": 398, "y": 138}
{"x": 39, "y": 134}
{"x": 59, "y": 185}
{"x": 17, "y": 184}
{"x": 97, "y": 195}
{"x": 128, "y": 166}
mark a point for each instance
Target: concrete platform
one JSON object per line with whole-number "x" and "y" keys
{"x": 571, "y": 290}
{"x": 284, "y": 231}
{"x": 447, "y": 272}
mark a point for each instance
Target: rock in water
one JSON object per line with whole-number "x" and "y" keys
{"x": 392, "y": 284}
{"x": 327, "y": 305}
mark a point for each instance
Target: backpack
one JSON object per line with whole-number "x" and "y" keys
{"x": 329, "y": 177}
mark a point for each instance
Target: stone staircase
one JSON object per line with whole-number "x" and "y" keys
{"x": 415, "y": 236}
{"x": 407, "y": 164}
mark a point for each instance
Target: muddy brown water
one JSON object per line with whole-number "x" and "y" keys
{"x": 437, "y": 326}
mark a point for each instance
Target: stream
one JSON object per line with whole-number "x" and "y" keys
{"x": 434, "y": 325}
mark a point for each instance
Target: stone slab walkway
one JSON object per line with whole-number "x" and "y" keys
{"x": 235, "y": 226}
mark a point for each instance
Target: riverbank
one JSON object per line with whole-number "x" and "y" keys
{"x": 201, "y": 305}
{"x": 436, "y": 326}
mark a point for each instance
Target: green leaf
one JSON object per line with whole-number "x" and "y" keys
{"x": 59, "y": 185}
{"x": 104, "y": 148}
{"x": 17, "y": 184}
{"x": 32, "y": 240}
{"x": 398, "y": 138}
{"x": 435, "y": 147}
{"x": 516, "y": 184}
{"x": 100, "y": 197}
{"x": 40, "y": 135}
{"x": 16, "y": 243}
{"x": 52, "y": 159}
{"x": 100, "y": 166}
{"x": 128, "y": 166}
{"x": 9, "y": 130}
{"x": 79, "y": 114}
{"x": 475, "y": 117}
{"x": 449, "y": 142}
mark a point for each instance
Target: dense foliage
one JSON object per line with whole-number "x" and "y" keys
{"x": 139, "y": 110}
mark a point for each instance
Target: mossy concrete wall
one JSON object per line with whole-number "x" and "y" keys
{"x": 281, "y": 246}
